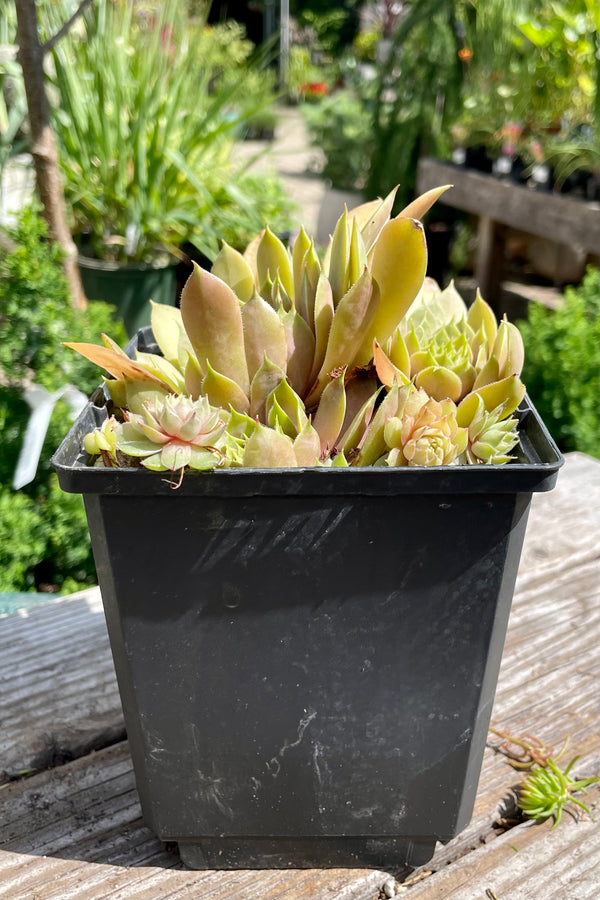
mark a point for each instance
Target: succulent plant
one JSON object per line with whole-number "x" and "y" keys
{"x": 282, "y": 358}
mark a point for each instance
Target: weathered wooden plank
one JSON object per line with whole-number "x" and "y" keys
{"x": 528, "y": 862}
{"x": 57, "y": 682}
{"x": 76, "y": 831}
{"x": 551, "y": 216}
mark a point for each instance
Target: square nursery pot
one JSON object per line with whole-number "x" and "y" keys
{"x": 307, "y": 658}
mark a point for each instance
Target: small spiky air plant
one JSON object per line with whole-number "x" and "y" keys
{"x": 548, "y": 789}
{"x": 282, "y": 358}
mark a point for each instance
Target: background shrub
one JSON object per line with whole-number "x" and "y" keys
{"x": 562, "y": 365}
{"x": 44, "y": 541}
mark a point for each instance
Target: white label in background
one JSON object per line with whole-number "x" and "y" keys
{"x": 42, "y": 403}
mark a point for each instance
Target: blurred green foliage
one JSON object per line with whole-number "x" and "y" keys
{"x": 562, "y": 365}
{"x": 43, "y": 532}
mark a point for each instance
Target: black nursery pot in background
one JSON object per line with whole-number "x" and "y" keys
{"x": 307, "y": 659}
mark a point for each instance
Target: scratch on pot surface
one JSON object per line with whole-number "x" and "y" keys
{"x": 274, "y": 764}
{"x": 210, "y": 790}
{"x": 248, "y": 539}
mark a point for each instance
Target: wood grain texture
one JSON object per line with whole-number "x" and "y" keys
{"x": 551, "y": 216}
{"x": 75, "y": 830}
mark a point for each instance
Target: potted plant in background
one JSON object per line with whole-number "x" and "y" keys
{"x": 307, "y": 492}
{"x": 146, "y": 112}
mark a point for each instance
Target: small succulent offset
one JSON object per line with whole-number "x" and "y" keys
{"x": 282, "y": 358}
{"x": 549, "y": 788}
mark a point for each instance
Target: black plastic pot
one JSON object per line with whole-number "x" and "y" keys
{"x": 128, "y": 287}
{"x": 307, "y": 659}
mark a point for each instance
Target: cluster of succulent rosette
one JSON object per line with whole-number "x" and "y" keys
{"x": 284, "y": 358}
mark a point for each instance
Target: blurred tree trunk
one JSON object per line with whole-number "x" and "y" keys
{"x": 43, "y": 143}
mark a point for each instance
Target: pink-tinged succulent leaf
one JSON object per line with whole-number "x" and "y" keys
{"x": 399, "y": 264}
{"x": 269, "y": 449}
{"x": 307, "y": 446}
{"x": 506, "y": 393}
{"x": 250, "y": 254}
{"x": 273, "y": 258}
{"x": 387, "y": 372}
{"x": 115, "y": 363}
{"x": 264, "y": 333}
{"x": 421, "y": 205}
{"x": 482, "y": 316}
{"x": 231, "y": 267}
{"x": 323, "y": 317}
{"x": 169, "y": 333}
{"x": 213, "y": 321}
{"x": 440, "y": 383}
{"x": 300, "y": 351}
{"x": 360, "y": 389}
{"x": 352, "y": 319}
{"x": 264, "y": 382}
{"x": 176, "y": 455}
{"x": 223, "y": 391}
{"x": 329, "y": 417}
{"x": 373, "y": 445}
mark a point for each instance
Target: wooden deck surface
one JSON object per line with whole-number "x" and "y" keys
{"x": 70, "y": 826}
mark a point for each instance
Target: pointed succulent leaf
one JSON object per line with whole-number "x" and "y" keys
{"x": 241, "y": 425}
{"x": 387, "y": 372}
{"x": 223, "y": 391}
{"x": 289, "y": 401}
{"x": 440, "y": 383}
{"x": 352, "y": 319}
{"x": 193, "y": 375}
{"x": 508, "y": 393}
{"x": 307, "y": 446}
{"x": 323, "y": 317}
{"x": 339, "y": 258}
{"x": 339, "y": 461}
{"x": 279, "y": 297}
{"x": 372, "y": 216}
{"x": 398, "y": 353}
{"x": 488, "y": 374}
{"x": 399, "y": 264}
{"x": 269, "y": 449}
{"x": 213, "y": 321}
{"x": 266, "y": 380}
{"x": 231, "y": 267}
{"x": 421, "y": 205}
{"x": 329, "y": 417}
{"x": 264, "y": 333}
{"x": 481, "y": 315}
{"x": 115, "y": 363}
{"x": 355, "y": 428}
{"x": 357, "y": 259}
{"x": 277, "y": 418}
{"x": 299, "y": 251}
{"x": 508, "y": 349}
{"x": 250, "y": 254}
{"x": 374, "y": 442}
{"x": 163, "y": 369}
{"x": 169, "y": 333}
{"x": 300, "y": 351}
{"x": 273, "y": 258}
